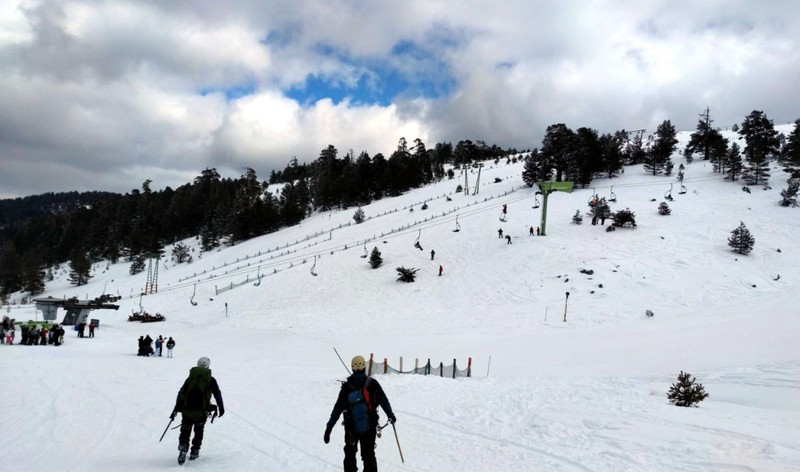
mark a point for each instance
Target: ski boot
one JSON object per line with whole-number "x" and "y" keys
{"x": 193, "y": 455}
{"x": 183, "y": 448}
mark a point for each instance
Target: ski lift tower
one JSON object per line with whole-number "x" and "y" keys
{"x": 546, "y": 188}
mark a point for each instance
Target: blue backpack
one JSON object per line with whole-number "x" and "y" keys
{"x": 360, "y": 407}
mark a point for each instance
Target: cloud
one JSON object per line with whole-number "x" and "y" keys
{"x": 100, "y": 96}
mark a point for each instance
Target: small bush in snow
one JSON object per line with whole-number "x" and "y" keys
{"x": 359, "y": 216}
{"x": 406, "y": 275}
{"x": 577, "y": 218}
{"x": 686, "y": 392}
{"x": 375, "y": 259}
{"x": 663, "y": 209}
{"x": 623, "y": 217}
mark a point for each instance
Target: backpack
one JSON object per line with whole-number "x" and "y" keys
{"x": 361, "y": 408}
{"x": 195, "y": 395}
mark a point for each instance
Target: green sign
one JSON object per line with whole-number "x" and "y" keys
{"x": 556, "y": 186}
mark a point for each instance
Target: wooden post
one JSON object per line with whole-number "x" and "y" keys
{"x": 385, "y": 365}
{"x": 369, "y": 371}
{"x": 401, "y": 364}
{"x": 454, "y": 361}
{"x": 469, "y": 367}
{"x": 565, "y": 307}
{"x": 416, "y": 365}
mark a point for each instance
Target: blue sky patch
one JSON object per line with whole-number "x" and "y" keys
{"x": 233, "y": 92}
{"x": 409, "y": 71}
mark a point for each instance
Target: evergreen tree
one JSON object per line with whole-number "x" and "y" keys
{"x": 375, "y": 259}
{"x": 138, "y": 264}
{"x": 180, "y": 253}
{"x": 80, "y": 267}
{"x": 741, "y": 240}
{"x": 623, "y": 217}
{"x": 359, "y": 216}
{"x": 577, "y": 218}
{"x": 686, "y": 392}
{"x": 702, "y": 139}
{"x": 663, "y": 209}
{"x": 558, "y": 149}
{"x": 34, "y": 274}
{"x": 406, "y": 275}
{"x": 660, "y": 152}
{"x": 733, "y": 162}
{"x": 535, "y": 169}
{"x": 11, "y": 273}
{"x": 791, "y": 150}
{"x": 789, "y": 195}
{"x": 611, "y": 150}
{"x": 762, "y": 142}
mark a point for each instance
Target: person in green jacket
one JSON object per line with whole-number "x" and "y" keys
{"x": 194, "y": 405}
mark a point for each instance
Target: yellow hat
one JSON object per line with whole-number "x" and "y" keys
{"x": 358, "y": 363}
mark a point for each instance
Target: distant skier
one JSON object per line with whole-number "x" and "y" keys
{"x": 500, "y": 233}
{"x": 356, "y": 383}
{"x": 537, "y": 231}
{"x": 508, "y": 239}
{"x": 505, "y": 209}
{"x": 441, "y": 269}
{"x": 194, "y": 405}
{"x": 433, "y": 253}
{"x": 159, "y": 343}
{"x": 170, "y": 345}
{"x": 531, "y": 231}
{"x": 92, "y": 326}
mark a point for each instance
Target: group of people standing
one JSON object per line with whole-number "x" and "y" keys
{"x": 31, "y": 334}
{"x": 146, "y": 346}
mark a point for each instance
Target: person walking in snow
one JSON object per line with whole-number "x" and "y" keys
{"x": 159, "y": 343}
{"x": 92, "y": 326}
{"x": 356, "y": 382}
{"x": 433, "y": 253}
{"x": 441, "y": 269}
{"x": 500, "y": 233}
{"x": 194, "y": 405}
{"x": 508, "y": 239}
{"x": 170, "y": 345}
{"x": 531, "y": 231}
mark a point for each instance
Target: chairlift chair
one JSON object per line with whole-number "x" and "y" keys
{"x": 258, "y": 277}
{"x": 364, "y": 256}
{"x": 668, "y": 195}
{"x": 458, "y": 226}
{"x": 683, "y": 189}
{"x": 416, "y": 243}
{"x": 612, "y": 197}
{"x": 502, "y": 217}
{"x": 536, "y": 200}
{"x": 314, "y": 265}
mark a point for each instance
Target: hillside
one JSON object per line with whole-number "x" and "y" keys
{"x": 588, "y": 393}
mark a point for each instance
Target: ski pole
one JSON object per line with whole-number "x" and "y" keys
{"x": 398, "y": 444}
{"x": 167, "y": 428}
{"x": 340, "y": 360}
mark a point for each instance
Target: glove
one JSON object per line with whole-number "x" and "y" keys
{"x": 327, "y": 437}
{"x": 221, "y": 411}
{"x": 172, "y": 416}
{"x": 392, "y": 419}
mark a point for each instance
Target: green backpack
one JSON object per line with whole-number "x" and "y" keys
{"x": 195, "y": 395}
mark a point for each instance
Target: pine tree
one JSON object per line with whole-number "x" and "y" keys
{"x": 762, "y": 142}
{"x": 406, "y": 275}
{"x": 664, "y": 144}
{"x": 358, "y": 216}
{"x": 180, "y": 253}
{"x": 733, "y": 163}
{"x": 686, "y": 391}
{"x": 80, "y": 267}
{"x": 741, "y": 240}
{"x": 577, "y": 218}
{"x": 701, "y": 140}
{"x": 791, "y": 150}
{"x": 34, "y": 274}
{"x": 137, "y": 264}
{"x": 789, "y": 195}
{"x": 623, "y": 217}
{"x": 375, "y": 259}
{"x": 663, "y": 209}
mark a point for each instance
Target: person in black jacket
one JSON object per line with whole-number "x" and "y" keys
{"x": 194, "y": 405}
{"x": 355, "y": 382}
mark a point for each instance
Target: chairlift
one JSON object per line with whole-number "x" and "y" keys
{"x": 503, "y": 217}
{"x": 191, "y": 299}
{"x": 536, "y": 200}
{"x": 458, "y": 226}
{"x": 314, "y": 265}
{"x": 416, "y": 243}
{"x": 683, "y": 189}
{"x": 612, "y": 197}
{"x": 258, "y": 277}
{"x": 668, "y": 195}
{"x": 364, "y": 256}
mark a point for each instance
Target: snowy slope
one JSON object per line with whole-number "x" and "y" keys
{"x": 585, "y": 394}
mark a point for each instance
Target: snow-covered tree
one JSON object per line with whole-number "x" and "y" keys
{"x": 375, "y": 259}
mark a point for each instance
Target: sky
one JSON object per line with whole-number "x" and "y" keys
{"x": 558, "y": 385}
{"x": 104, "y": 95}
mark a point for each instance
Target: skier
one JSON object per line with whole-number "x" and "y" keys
{"x": 531, "y": 231}
{"x": 357, "y": 381}
{"x": 508, "y": 239}
{"x": 92, "y": 326}
{"x": 193, "y": 403}
{"x": 500, "y": 233}
{"x": 432, "y": 253}
{"x": 537, "y": 231}
{"x": 505, "y": 208}
{"x": 159, "y": 343}
{"x": 441, "y": 269}
{"x": 170, "y": 345}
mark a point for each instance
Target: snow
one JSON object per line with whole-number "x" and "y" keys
{"x": 588, "y": 394}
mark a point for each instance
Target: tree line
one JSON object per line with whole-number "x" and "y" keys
{"x": 42, "y": 231}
